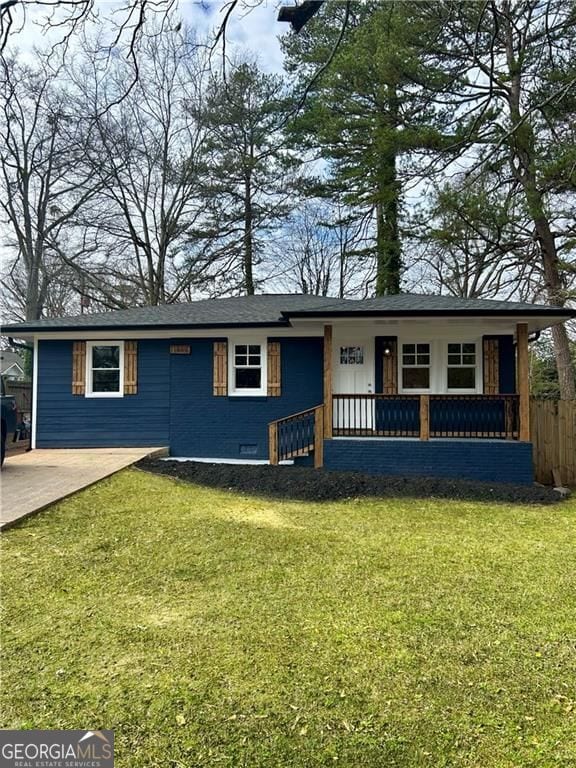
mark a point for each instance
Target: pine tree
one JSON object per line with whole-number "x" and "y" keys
{"x": 249, "y": 171}
{"x": 369, "y": 111}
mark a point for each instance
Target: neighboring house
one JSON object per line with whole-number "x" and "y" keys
{"x": 11, "y": 366}
{"x": 404, "y": 384}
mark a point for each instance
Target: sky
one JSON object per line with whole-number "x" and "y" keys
{"x": 253, "y": 26}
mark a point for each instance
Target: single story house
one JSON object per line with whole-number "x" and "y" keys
{"x": 407, "y": 384}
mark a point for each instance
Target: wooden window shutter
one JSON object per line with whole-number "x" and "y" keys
{"x": 79, "y": 368}
{"x": 390, "y": 367}
{"x": 274, "y": 369}
{"x": 220, "y": 368}
{"x": 130, "y": 367}
{"x": 491, "y": 366}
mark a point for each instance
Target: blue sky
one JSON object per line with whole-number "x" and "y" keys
{"x": 252, "y": 28}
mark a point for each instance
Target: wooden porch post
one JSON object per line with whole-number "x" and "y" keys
{"x": 328, "y": 381}
{"x": 424, "y": 417}
{"x": 273, "y": 443}
{"x": 319, "y": 437}
{"x": 523, "y": 380}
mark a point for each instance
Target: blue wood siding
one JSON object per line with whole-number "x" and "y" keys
{"x": 65, "y": 420}
{"x": 175, "y": 406}
{"x": 202, "y": 425}
{"x": 486, "y": 460}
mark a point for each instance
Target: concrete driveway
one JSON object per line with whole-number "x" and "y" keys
{"x": 32, "y": 481}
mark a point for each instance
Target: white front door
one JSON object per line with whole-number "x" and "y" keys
{"x": 353, "y": 374}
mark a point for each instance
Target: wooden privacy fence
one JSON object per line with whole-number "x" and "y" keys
{"x": 22, "y": 391}
{"x": 553, "y": 434}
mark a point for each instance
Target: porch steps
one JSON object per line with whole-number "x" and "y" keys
{"x": 303, "y": 451}
{"x": 298, "y": 435}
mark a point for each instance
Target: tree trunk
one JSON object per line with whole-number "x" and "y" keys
{"x": 34, "y": 260}
{"x": 389, "y": 248}
{"x": 555, "y": 294}
{"x": 388, "y": 258}
{"x": 33, "y": 310}
{"x": 523, "y": 164}
{"x": 248, "y": 253}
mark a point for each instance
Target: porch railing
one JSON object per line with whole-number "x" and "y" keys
{"x": 425, "y": 416}
{"x": 297, "y": 435}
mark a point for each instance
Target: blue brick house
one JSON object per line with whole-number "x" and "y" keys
{"x": 406, "y": 384}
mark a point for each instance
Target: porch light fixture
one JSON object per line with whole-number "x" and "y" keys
{"x": 387, "y": 350}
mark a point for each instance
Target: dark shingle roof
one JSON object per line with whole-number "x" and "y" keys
{"x": 241, "y": 310}
{"x": 414, "y": 303}
{"x": 277, "y": 309}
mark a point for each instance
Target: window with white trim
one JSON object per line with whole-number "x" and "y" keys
{"x": 461, "y": 373}
{"x": 416, "y": 366}
{"x": 248, "y": 368}
{"x": 105, "y": 369}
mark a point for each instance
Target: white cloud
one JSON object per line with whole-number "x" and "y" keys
{"x": 252, "y": 28}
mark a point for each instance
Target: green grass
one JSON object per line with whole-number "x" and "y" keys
{"x": 212, "y": 629}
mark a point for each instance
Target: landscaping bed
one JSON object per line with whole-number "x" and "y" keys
{"x": 307, "y": 484}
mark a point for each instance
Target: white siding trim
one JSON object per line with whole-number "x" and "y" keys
{"x": 204, "y": 460}
{"x": 184, "y": 333}
{"x": 435, "y": 327}
{"x": 34, "y": 395}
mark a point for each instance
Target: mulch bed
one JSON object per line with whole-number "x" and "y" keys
{"x": 307, "y": 484}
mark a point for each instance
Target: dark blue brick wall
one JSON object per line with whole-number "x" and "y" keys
{"x": 66, "y": 420}
{"x": 486, "y": 460}
{"x": 202, "y": 425}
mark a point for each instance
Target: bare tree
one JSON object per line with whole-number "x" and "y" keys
{"x": 63, "y": 296}
{"x": 146, "y": 150}
{"x": 475, "y": 241}
{"x": 44, "y": 182}
{"x": 513, "y": 104}
{"x": 128, "y": 24}
{"x": 320, "y": 251}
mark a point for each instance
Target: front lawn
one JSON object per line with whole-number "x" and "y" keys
{"x": 213, "y": 629}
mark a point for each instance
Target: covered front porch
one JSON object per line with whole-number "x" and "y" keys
{"x": 480, "y": 412}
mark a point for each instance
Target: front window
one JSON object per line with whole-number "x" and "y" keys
{"x": 247, "y": 367}
{"x": 416, "y": 366}
{"x": 461, "y": 366}
{"x": 105, "y": 369}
